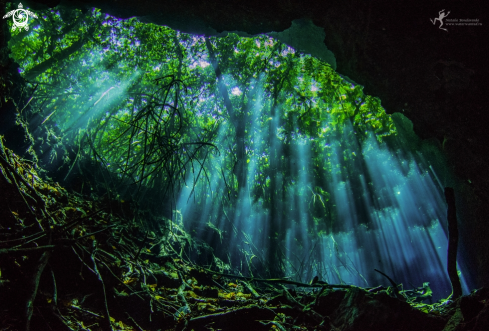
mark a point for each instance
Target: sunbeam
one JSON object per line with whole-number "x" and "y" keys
{"x": 273, "y": 163}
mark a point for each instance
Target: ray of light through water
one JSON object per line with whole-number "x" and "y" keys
{"x": 275, "y": 174}
{"x": 390, "y": 210}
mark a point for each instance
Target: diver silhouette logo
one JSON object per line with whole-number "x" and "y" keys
{"x": 440, "y": 18}
{"x": 20, "y": 17}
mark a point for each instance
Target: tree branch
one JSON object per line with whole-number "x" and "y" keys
{"x": 452, "y": 243}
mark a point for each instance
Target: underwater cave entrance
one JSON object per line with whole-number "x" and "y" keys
{"x": 274, "y": 164}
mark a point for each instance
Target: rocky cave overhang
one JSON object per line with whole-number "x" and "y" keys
{"x": 434, "y": 77}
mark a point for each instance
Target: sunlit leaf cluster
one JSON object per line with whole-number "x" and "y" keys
{"x": 161, "y": 109}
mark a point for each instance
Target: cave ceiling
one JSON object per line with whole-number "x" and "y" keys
{"x": 437, "y": 78}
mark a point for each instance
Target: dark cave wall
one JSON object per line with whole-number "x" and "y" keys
{"x": 437, "y": 79}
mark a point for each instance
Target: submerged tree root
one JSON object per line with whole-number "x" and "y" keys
{"x": 105, "y": 275}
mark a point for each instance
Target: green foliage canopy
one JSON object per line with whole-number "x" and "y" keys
{"x": 158, "y": 108}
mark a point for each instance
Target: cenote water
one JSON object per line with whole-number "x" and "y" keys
{"x": 274, "y": 164}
